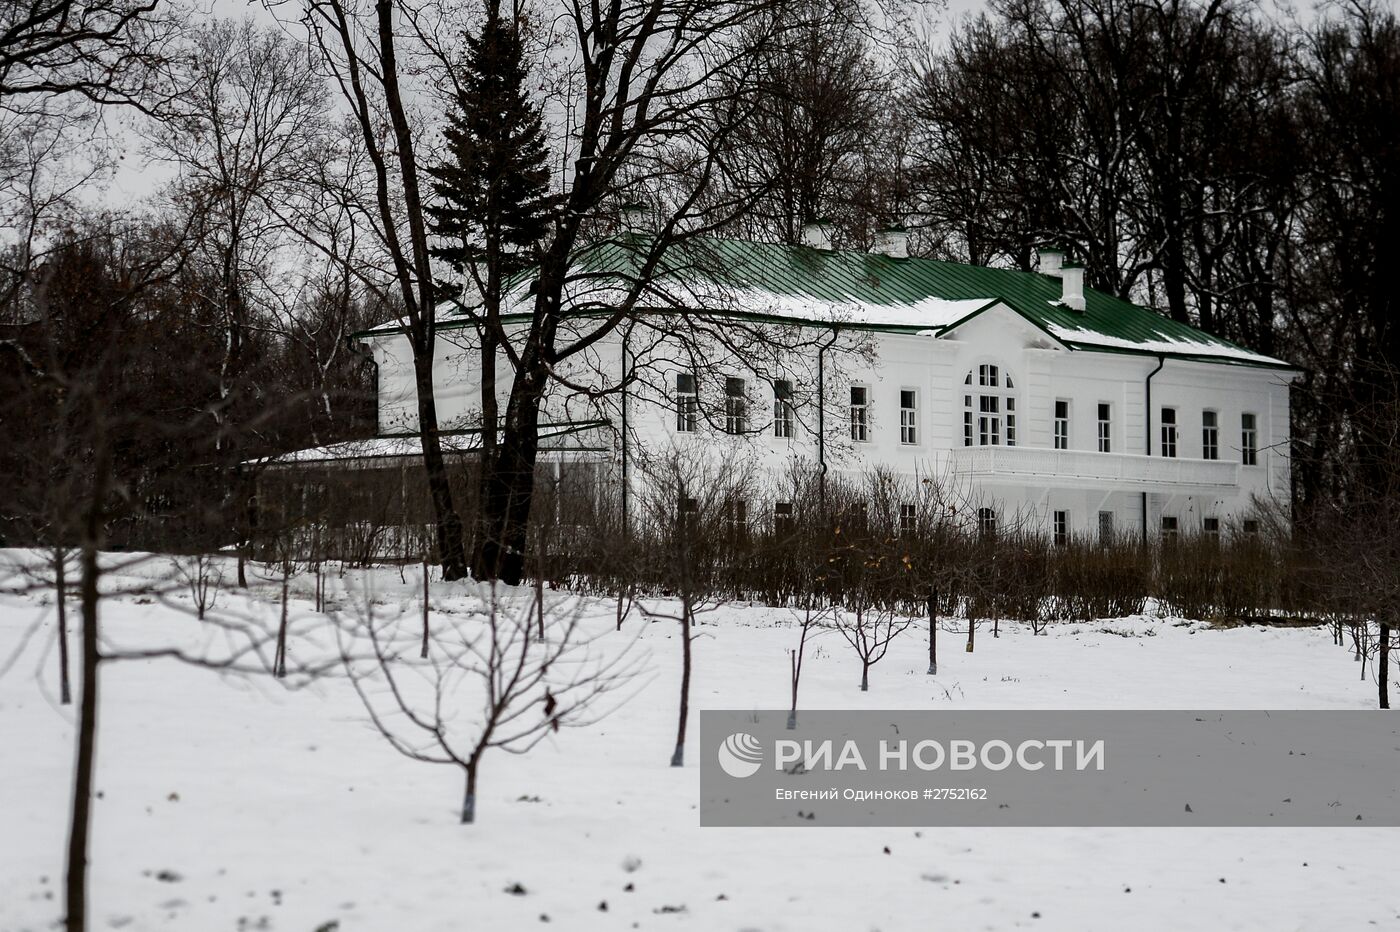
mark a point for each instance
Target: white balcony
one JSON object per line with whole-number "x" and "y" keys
{"x": 1085, "y": 469}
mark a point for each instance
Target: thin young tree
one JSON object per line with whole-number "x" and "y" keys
{"x": 522, "y": 688}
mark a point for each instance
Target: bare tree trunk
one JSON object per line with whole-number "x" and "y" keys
{"x": 451, "y": 548}
{"x": 75, "y": 883}
{"x": 796, "y": 665}
{"x": 427, "y": 591}
{"x": 933, "y": 632}
{"x": 1383, "y": 666}
{"x": 623, "y": 599}
{"x": 971, "y": 631}
{"x": 469, "y": 797}
{"x": 510, "y": 489}
{"x": 864, "y": 675}
{"x": 279, "y": 661}
{"x": 678, "y": 758}
{"x": 60, "y": 575}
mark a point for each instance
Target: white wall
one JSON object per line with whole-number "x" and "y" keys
{"x": 933, "y": 367}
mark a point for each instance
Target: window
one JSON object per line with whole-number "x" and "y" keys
{"x": 986, "y": 522}
{"x": 782, "y": 409}
{"x": 1210, "y": 527}
{"x": 1249, "y": 440}
{"x": 908, "y": 520}
{"x": 687, "y": 513}
{"x": 1210, "y": 435}
{"x": 989, "y": 415}
{"x": 908, "y": 416}
{"x": 736, "y": 407}
{"x": 736, "y": 514}
{"x": 783, "y": 521}
{"x": 860, "y": 413}
{"x": 853, "y": 520}
{"x": 687, "y": 403}
{"x": 1061, "y": 535}
{"x": 1106, "y": 527}
{"x": 1105, "y": 427}
{"x": 1169, "y": 529}
{"x": 1250, "y": 526}
{"x": 1169, "y": 432}
{"x": 1061, "y": 425}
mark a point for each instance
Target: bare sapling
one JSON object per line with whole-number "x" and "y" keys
{"x": 203, "y": 577}
{"x": 870, "y": 629}
{"x": 809, "y": 625}
{"x": 488, "y": 682}
{"x": 933, "y": 632}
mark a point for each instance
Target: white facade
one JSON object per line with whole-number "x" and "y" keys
{"x": 1072, "y": 443}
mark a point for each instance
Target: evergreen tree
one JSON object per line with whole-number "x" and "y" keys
{"x": 493, "y": 201}
{"x": 493, "y": 204}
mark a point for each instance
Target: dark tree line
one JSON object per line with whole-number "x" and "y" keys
{"x": 1234, "y": 170}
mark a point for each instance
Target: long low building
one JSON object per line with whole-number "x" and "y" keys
{"x": 1034, "y": 398}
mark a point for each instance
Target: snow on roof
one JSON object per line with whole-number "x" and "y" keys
{"x": 802, "y": 283}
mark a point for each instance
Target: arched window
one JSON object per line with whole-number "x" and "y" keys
{"x": 989, "y": 407}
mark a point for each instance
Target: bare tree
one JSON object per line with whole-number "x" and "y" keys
{"x": 520, "y": 689}
{"x": 689, "y": 500}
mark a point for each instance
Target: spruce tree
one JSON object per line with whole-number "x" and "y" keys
{"x": 493, "y": 202}
{"x": 493, "y": 207}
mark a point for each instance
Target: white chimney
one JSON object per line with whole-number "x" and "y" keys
{"x": 1072, "y": 278}
{"x": 1051, "y": 261}
{"x": 635, "y": 217}
{"x": 892, "y": 242}
{"x": 817, "y": 234}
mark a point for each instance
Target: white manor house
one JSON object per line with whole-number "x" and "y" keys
{"x": 1064, "y": 406}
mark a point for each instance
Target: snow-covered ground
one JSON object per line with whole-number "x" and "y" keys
{"x": 230, "y": 802}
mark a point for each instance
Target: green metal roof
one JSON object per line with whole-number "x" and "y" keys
{"x": 876, "y": 291}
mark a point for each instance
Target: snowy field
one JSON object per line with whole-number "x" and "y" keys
{"x": 233, "y": 803}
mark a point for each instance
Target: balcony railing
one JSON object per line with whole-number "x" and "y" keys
{"x": 1082, "y": 469}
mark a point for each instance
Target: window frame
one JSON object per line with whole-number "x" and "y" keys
{"x": 783, "y": 414}
{"x": 1210, "y": 434}
{"x": 1059, "y": 432}
{"x": 989, "y": 407}
{"x": 1171, "y": 436}
{"x": 687, "y": 403}
{"x": 909, "y": 418}
{"x": 1105, "y": 426}
{"x": 1107, "y": 528}
{"x": 859, "y": 425}
{"x": 736, "y": 406}
{"x": 1249, "y": 439}
{"x": 908, "y": 519}
{"x": 1059, "y": 527}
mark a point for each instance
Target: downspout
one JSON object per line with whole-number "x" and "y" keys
{"x": 821, "y": 417}
{"x": 1147, "y": 420}
{"x": 626, "y": 336}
